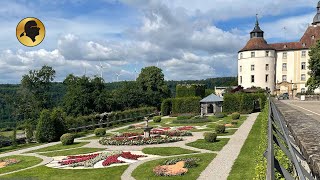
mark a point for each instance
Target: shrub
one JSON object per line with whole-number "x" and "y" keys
{"x": 189, "y": 162}
{"x": 157, "y": 119}
{"x": 220, "y": 128}
{"x": 67, "y": 139}
{"x": 243, "y": 102}
{"x": 219, "y": 115}
{"x": 210, "y": 137}
{"x": 45, "y": 128}
{"x": 166, "y": 107}
{"x": 100, "y": 132}
{"x": 185, "y": 116}
{"x": 58, "y": 116}
{"x": 235, "y": 116}
{"x": 186, "y": 105}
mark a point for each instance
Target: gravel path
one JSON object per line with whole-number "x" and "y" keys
{"x": 221, "y": 165}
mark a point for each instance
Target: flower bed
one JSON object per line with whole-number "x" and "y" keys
{"x": 139, "y": 140}
{"x": 111, "y": 160}
{"x": 185, "y": 128}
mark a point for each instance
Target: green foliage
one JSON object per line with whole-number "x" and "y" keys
{"x": 166, "y": 107}
{"x": 58, "y": 116}
{"x": 14, "y": 137}
{"x": 243, "y": 102}
{"x": 235, "y": 116}
{"x": 29, "y": 132}
{"x": 185, "y": 116}
{"x": 314, "y": 67}
{"x": 220, "y": 115}
{"x": 191, "y": 121}
{"x": 210, "y": 137}
{"x": 234, "y": 122}
{"x": 220, "y": 128}
{"x": 67, "y": 139}
{"x": 100, "y": 132}
{"x": 231, "y": 102}
{"x": 187, "y": 90}
{"x": 209, "y": 92}
{"x": 45, "y": 127}
{"x": 157, "y": 119}
{"x": 186, "y": 105}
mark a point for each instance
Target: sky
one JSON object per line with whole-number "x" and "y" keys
{"x": 187, "y": 39}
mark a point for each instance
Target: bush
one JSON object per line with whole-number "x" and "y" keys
{"x": 234, "y": 122}
{"x": 235, "y": 116}
{"x": 45, "y": 127}
{"x": 166, "y": 107}
{"x": 186, "y": 105}
{"x": 67, "y": 139}
{"x": 243, "y": 102}
{"x": 157, "y": 119}
{"x": 100, "y": 132}
{"x": 210, "y": 137}
{"x": 220, "y": 128}
{"x": 219, "y": 115}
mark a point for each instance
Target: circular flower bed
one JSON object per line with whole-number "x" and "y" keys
{"x": 138, "y": 140}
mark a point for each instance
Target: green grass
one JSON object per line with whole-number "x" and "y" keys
{"x": 72, "y": 152}
{"x": 18, "y": 147}
{"x": 46, "y": 173}
{"x": 10, "y": 133}
{"x": 202, "y": 130}
{"x": 95, "y": 137}
{"x": 215, "y": 146}
{"x": 167, "y": 151}
{"x": 25, "y": 161}
{"x": 59, "y": 147}
{"x": 244, "y": 166}
{"x": 226, "y": 120}
{"x": 228, "y": 132}
{"x": 144, "y": 171}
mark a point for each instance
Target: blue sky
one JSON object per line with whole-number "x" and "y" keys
{"x": 188, "y": 39}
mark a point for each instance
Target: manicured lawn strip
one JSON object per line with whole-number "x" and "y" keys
{"x": 244, "y": 166}
{"x": 46, "y": 173}
{"x": 202, "y": 144}
{"x": 72, "y": 152}
{"x": 18, "y": 147}
{"x": 144, "y": 171}
{"x": 25, "y": 161}
{"x": 167, "y": 151}
{"x": 59, "y": 147}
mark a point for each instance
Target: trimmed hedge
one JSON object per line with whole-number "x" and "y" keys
{"x": 190, "y": 90}
{"x": 166, "y": 107}
{"x": 186, "y": 105}
{"x": 210, "y": 137}
{"x": 157, "y": 119}
{"x": 235, "y": 116}
{"x": 100, "y": 132}
{"x": 220, "y": 128}
{"x": 187, "y": 121}
{"x": 243, "y": 102}
{"x": 185, "y": 116}
{"x": 67, "y": 139}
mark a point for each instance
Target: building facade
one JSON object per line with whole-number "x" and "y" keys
{"x": 280, "y": 67}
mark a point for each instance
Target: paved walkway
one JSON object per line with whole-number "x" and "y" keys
{"x": 221, "y": 165}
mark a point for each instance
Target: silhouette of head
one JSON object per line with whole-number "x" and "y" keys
{"x": 31, "y": 30}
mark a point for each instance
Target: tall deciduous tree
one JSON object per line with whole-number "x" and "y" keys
{"x": 45, "y": 127}
{"x": 314, "y": 67}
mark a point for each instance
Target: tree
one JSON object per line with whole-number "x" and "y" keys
{"x": 314, "y": 67}
{"x": 58, "y": 116}
{"x": 45, "y": 127}
{"x": 151, "y": 80}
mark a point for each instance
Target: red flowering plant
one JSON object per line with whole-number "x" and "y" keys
{"x": 129, "y": 155}
{"x": 111, "y": 160}
{"x": 77, "y": 160}
{"x": 185, "y": 128}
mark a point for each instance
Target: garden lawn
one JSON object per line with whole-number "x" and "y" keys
{"x": 59, "y": 147}
{"x": 215, "y": 146}
{"x": 144, "y": 171}
{"x": 25, "y": 161}
{"x": 72, "y": 152}
{"x": 244, "y": 166}
{"x": 10, "y": 133}
{"x": 167, "y": 151}
{"x": 46, "y": 173}
{"x": 228, "y": 132}
{"x": 226, "y": 120}
{"x": 96, "y": 137}
{"x": 18, "y": 147}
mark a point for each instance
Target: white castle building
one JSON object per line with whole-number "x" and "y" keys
{"x": 280, "y": 67}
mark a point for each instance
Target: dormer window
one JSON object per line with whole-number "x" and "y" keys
{"x": 285, "y": 46}
{"x": 303, "y": 44}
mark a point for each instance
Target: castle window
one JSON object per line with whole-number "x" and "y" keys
{"x": 267, "y": 77}
{"x": 240, "y": 68}
{"x": 312, "y": 37}
{"x": 284, "y": 55}
{"x": 241, "y": 55}
{"x": 303, "y": 65}
{"x": 240, "y": 79}
{"x": 303, "y": 53}
{"x": 252, "y": 67}
{"x": 284, "y": 66}
{"x": 267, "y": 53}
{"x": 267, "y": 67}
{"x": 252, "y": 78}
{"x": 284, "y": 78}
{"x": 253, "y": 54}
{"x": 303, "y": 90}
{"x": 303, "y": 77}
{"x": 304, "y": 44}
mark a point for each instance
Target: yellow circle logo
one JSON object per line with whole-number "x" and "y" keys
{"x": 30, "y": 31}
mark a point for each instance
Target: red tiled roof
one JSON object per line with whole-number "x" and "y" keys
{"x": 256, "y": 43}
{"x": 287, "y": 46}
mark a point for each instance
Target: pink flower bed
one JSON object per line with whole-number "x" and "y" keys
{"x": 128, "y": 155}
{"x": 82, "y": 156}
{"x": 77, "y": 160}
{"x": 111, "y": 160}
{"x": 185, "y": 128}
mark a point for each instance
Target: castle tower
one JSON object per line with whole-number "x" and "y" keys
{"x": 256, "y": 62}
{"x": 316, "y": 19}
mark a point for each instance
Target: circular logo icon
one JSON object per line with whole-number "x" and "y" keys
{"x": 30, "y": 31}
